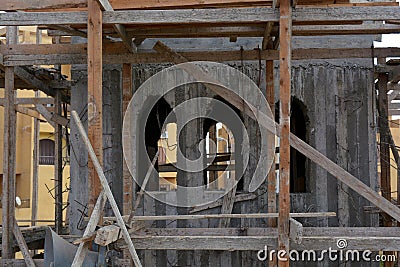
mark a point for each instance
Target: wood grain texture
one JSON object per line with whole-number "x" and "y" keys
{"x": 95, "y": 97}
{"x": 285, "y": 53}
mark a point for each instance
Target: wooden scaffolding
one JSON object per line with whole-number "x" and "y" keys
{"x": 115, "y": 30}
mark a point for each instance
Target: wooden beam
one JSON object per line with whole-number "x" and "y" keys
{"x": 120, "y": 29}
{"x": 255, "y": 243}
{"x": 271, "y": 179}
{"x": 76, "y": 54}
{"x": 127, "y": 93}
{"x": 85, "y": 238}
{"x": 106, "y": 189}
{"x": 107, "y": 235}
{"x": 9, "y": 155}
{"x": 219, "y": 216}
{"x": 35, "y": 168}
{"x": 219, "y": 202}
{"x": 257, "y": 30}
{"x": 203, "y": 16}
{"x": 30, "y": 101}
{"x": 35, "y": 158}
{"x": 384, "y": 141}
{"x": 95, "y": 101}
{"x": 20, "y": 262}
{"x": 42, "y": 4}
{"x": 268, "y": 231}
{"x": 285, "y": 52}
{"x": 295, "y": 142}
{"x": 58, "y": 167}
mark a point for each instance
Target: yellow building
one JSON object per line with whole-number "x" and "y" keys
{"x": 24, "y": 155}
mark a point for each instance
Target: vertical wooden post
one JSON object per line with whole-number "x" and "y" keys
{"x": 128, "y": 185}
{"x": 9, "y": 153}
{"x": 35, "y": 167}
{"x": 58, "y": 168}
{"x": 271, "y": 180}
{"x": 384, "y": 140}
{"x": 285, "y": 37}
{"x": 127, "y": 93}
{"x": 95, "y": 128}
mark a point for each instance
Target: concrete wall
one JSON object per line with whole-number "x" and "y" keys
{"x": 112, "y": 146}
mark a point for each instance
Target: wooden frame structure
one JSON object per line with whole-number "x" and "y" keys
{"x": 134, "y": 21}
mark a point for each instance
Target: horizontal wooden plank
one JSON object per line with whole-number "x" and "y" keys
{"x": 273, "y": 232}
{"x": 218, "y": 56}
{"x": 255, "y": 243}
{"x": 31, "y": 101}
{"x": 10, "y": 5}
{"x": 236, "y": 16}
{"x": 127, "y": 4}
{"x": 245, "y": 31}
{"x": 20, "y": 262}
{"x": 161, "y": 4}
{"x": 218, "y": 216}
{"x": 178, "y": 4}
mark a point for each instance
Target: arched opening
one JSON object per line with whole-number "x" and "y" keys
{"x": 298, "y": 162}
{"x": 156, "y": 139}
{"x": 46, "y": 152}
{"x": 298, "y": 126}
{"x": 226, "y": 133}
{"x": 220, "y": 151}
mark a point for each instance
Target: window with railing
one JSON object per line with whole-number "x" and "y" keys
{"x": 46, "y": 152}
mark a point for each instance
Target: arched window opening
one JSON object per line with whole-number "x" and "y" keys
{"x": 298, "y": 126}
{"x": 220, "y": 146}
{"x": 46, "y": 152}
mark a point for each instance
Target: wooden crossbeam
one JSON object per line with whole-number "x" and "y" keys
{"x": 120, "y": 29}
{"x": 255, "y": 243}
{"x": 204, "y": 16}
{"x": 76, "y": 54}
{"x": 257, "y": 30}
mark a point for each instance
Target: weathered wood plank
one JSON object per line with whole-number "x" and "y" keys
{"x": 53, "y": 57}
{"x": 255, "y": 243}
{"x": 307, "y": 231}
{"x": 42, "y": 4}
{"x": 95, "y": 89}
{"x": 219, "y": 216}
{"x": 120, "y": 29}
{"x": 218, "y": 202}
{"x": 9, "y": 155}
{"x": 202, "y": 16}
{"x": 285, "y": 52}
{"x": 107, "y": 235}
{"x": 127, "y": 93}
{"x": 58, "y": 166}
